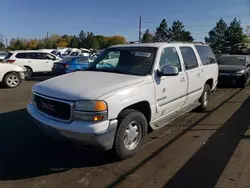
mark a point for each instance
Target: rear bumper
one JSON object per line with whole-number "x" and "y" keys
{"x": 84, "y": 134}
{"x": 58, "y": 71}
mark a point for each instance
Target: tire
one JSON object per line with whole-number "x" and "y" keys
{"x": 12, "y": 80}
{"x": 205, "y": 97}
{"x": 134, "y": 122}
{"x": 28, "y": 72}
{"x": 244, "y": 81}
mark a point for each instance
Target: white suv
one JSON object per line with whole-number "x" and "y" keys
{"x": 33, "y": 61}
{"x": 114, "y": 102}
{"x": 11, "y": 75}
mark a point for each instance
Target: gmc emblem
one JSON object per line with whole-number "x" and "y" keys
{"x": 49, "y": 107}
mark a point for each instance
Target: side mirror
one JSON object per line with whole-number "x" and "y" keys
{"x": 168, "y": 71}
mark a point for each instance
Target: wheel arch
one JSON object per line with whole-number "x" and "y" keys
{"x": 143, "y": 107}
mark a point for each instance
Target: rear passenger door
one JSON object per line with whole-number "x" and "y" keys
{"x": 41, "y": 62}
{"x": 194, "y": 74}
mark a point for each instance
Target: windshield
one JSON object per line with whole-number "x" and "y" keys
{"x": 67, "y": 52}
{"x": 125, "y": 60}
{"x": 232, "y": 60}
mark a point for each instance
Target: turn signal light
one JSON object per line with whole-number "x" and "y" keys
{"x": 98, "y": 118}
{"x": 100, "y": 106}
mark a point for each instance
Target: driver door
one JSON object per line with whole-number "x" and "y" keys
{"x": 171, "y": 91}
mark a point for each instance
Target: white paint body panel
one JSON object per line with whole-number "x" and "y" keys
{"x": 5, "y": 68}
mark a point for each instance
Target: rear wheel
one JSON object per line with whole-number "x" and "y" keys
{"x": 205, "y": 97}
{"x": 131, "y": 133}
{"x": 28, "y": 72}
{"x": 12, "y": 80}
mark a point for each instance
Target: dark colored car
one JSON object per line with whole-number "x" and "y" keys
{"x": 71, "y": 64}
{"x": 234, "y": 69}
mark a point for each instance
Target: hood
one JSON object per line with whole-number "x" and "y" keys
{"x": 230, "y": 68}
{"x": 84, "y": 85}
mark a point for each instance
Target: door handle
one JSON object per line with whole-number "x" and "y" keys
{"x": 183, "y": 79}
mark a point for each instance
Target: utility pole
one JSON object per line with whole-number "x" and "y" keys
{"x": 47, "y": 36}
{"x": 6, "y": 45}
{"x": 140, "y": 30}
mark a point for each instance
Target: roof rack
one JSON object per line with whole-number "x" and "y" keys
{"x": 186, "y": 42}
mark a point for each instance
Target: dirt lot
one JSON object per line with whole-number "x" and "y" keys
{"x": 202, "y": 150}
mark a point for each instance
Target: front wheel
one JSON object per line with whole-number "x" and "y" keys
{"x": 131, "y": 133}
{"x": 205, "y": 97}
{"x": 12, "y": 80}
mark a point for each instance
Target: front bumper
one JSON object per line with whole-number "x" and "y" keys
{"x": 231, "y": 79}
{"x": 89, "y": 135}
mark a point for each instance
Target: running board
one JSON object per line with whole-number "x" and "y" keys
{"x": 171, "y": 117}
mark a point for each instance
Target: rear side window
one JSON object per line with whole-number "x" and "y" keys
{"x": 22, "y": 55}
{"x": 206, "y": 54}
{"x": 189, "y": 58}
{"x": 8, "y": 55}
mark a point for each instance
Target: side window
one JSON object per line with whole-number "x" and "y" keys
{"x": 22, "y": 55}
{"x": 170, "y": 57}
{"x": 189, "y": 58}
{"x": 206, "y": 54}
{"x": 83, "y": 61}
{"x": 34, "y": 55}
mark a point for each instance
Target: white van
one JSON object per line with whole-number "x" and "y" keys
{"x": 33, "y": 61}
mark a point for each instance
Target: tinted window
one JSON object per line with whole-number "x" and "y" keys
{"x": 232, "y": 60}
{"x": 35, "y": 55}
{"x": 22, "y": 55}
{"x": 170, "y": 57}
{"x": 189, "y": 57}
{"x": 67, "y": 59}
{"x": 3, "y": 54}
{"x": 206, "y": 54}
{"x": 8, "y": 55}
{"x": 83, "y": 60}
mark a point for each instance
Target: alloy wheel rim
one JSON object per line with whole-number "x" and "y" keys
{"x": 132, "y": 135}
{"x": 12, "y": 81}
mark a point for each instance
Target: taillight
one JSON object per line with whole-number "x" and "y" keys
{"x": 10, "y": 61}
{"x": 65, "y": 65}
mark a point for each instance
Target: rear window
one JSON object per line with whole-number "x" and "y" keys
{"x": 22, "y": 55}
{"x": 67, "y": 59}
{"x": 8, "y": 55}
{"x": 206, "y": 54}
{"x": 232, "y": 60}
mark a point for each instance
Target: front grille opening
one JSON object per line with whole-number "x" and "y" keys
{"x": 53, "y": 108}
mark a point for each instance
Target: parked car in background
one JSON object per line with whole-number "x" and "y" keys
{"x": 11, "y": 75}
{"x": 2, "y": 55}
{"x": 33, "y": 61}
{"x": 234, "y": 69}
{"x": 112, "y": 107}
{"x": 71, "y": 64}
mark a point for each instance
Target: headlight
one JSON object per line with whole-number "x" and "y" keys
{"x": 90, "y": 110}
{"x": 240, "y": 72}
{"x": 91, "y": 106}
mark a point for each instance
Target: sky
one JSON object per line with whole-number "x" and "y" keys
{"x": 33, "y": 18}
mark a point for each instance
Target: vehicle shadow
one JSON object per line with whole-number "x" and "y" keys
{"x": 208, "y": 163}
{"x": 26, "y": 152}
{"x": 39, "y": 77}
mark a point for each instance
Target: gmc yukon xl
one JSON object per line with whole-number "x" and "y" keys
{"x": 124, "y": 92}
